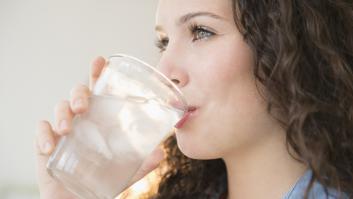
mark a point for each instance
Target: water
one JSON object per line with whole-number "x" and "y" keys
{"x": 109, "y": 144}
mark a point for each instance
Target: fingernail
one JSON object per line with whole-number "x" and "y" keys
{"x": 78, "y": 103}
{"x": 63, "y": 125}
{"x": 46, "y": 147}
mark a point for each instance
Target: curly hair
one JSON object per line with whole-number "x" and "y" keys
{"x": 304, "y": 60}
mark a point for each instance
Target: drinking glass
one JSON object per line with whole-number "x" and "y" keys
{"x": 133, "y": 108}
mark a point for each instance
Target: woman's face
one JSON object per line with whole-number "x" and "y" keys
{"x": 202, "y": 48}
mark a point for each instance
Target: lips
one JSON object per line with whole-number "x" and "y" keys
{"x": 185, "y": 117}
{"x": 192, "y": 108}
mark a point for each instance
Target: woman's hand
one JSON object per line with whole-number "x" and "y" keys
{"x": 48, "y": 135}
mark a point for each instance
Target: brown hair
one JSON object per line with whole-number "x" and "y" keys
{"x": 304, "y": 60}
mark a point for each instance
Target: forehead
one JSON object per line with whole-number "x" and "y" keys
{"x": 170, "y": 10}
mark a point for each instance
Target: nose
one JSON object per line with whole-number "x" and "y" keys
{"x": 176, "y": 81}
{"x": 174, "y": 68}
{"x": 178, "y": 77}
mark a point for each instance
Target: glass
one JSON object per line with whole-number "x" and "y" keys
{"x": 133, "y": 108}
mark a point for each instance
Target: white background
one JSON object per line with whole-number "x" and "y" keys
{"x": 46, "y": 47}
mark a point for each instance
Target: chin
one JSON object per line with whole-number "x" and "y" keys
{"x": 198, "y": 150}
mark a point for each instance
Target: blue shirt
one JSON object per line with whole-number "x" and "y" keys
{"x": 317, "y": 191}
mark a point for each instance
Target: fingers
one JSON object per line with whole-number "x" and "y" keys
{"x": 63, "y": 117}
{"x": 96, "y": 69}
{"x": 45, "y": 144}
{"x": 149, "y": 164}
{"x": 79, "y": 99}
{"x": 45, "y": 138}
{"x": 65, "y": 110}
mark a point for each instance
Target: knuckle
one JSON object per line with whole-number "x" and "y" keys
{"x": 43, "y": 127}
{"x": 62, "y": 106}
{"x": 79, "y": 89}
{"x": 43, "y": 132}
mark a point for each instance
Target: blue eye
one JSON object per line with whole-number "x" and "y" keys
{"x": 200, "y": 32}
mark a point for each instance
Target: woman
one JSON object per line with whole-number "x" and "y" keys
{"x": 272, "y": 82}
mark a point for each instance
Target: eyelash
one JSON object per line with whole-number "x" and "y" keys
{"x": 194, "y": 29}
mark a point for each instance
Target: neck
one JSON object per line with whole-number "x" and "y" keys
{"x": 264, "y": 171}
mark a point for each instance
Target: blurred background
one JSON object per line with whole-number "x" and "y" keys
{"x": 46, "y": 48}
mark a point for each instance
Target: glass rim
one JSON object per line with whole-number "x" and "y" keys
{"x": 173, "y": 87}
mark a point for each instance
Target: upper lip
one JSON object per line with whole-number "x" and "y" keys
{"x": 181, "y": 106}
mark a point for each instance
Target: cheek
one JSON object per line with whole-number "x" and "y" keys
{"x": 224, "y": 75}
{"x": 224, "y": 63}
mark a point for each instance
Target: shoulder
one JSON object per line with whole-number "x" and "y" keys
{"x": 317, "y": 192}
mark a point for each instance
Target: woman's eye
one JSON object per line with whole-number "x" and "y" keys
{"x": 162, "y": 44}
{"x": 200, "y": 32}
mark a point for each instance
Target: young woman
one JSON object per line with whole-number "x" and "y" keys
{"x": 272, "y": 84}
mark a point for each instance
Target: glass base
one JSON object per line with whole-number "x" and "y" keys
{"x": 79, "y": 190}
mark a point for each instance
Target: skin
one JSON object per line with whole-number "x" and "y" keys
{"x": 213, "y": 67}
{"x": 214, "y": 71}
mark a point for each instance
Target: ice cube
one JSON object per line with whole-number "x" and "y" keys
{"x": 104, "y": 110}
{"x": 88, "y": 134}
{"x": 147, "y": 124}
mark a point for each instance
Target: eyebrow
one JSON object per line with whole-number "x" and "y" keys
{"x": 189, "y": 16}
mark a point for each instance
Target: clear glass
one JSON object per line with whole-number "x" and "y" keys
{"x": 132, "y": 110}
